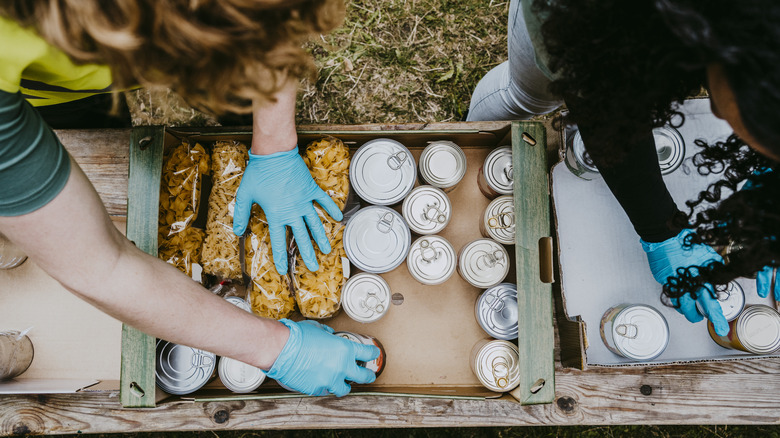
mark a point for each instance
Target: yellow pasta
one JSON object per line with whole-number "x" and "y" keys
{"x": 328, "y": 162}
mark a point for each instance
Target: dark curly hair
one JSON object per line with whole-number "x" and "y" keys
{"x": 622, "y": 68}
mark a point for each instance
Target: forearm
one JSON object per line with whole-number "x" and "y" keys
{"x": 273, "y": 128}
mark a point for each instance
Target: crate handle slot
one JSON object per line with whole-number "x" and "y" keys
{"x": 136, "y": 390}
{"x": 546, "y": 260}
{"x": 145, "y": 142}
{"x": 537, "y": 386}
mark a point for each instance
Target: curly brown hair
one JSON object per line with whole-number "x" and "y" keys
{"x": 220, "y": 55}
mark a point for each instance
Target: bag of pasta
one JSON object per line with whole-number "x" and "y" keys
{"x": 221, "y": 248}
{"x": 318, "y": 294}
{"x": 270, "y": 294}
{"x": 179, "y": 243}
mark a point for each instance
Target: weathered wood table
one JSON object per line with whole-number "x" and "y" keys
{"x": 744, "y": 392}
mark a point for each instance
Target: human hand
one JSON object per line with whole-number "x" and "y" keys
{"x": 766, "y": 280}
{"x": 671, "y": 254}
{"x": 315, "y": 362}
{"x": 282, "y": 185}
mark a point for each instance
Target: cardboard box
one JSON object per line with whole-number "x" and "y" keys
{"x": 428, "y": 338}
{"x": 602, "y": 263}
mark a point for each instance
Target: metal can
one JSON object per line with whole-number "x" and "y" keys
{"x": 483, "y": 263}
{"x": 238, "y": 376}
{"x": 670, "y": 148}
{"x": 442, "y": 165}
{"x": 365, "y": 297}
{"x": 377, "y": 365}
{"x": 635, "y": 331}
{"x": 732, "y": 301}
{"x": 497, "y": 313}
{"x": 181, "y": 369}
{"x": 431, "y": 260}
{"x": 11, "y": 255}
{"x": 16, "y": 353}
{"x": 756, "y": 330}
{"x": 376, "y": 239}
{"x": 577, "y": 158}
{"x": 382, "y": 172}
{"x": 427, "y": 210}
{"x": 495, "y": 177}
{"x": 496, "y": 364}
{"x": 498, "y": 220}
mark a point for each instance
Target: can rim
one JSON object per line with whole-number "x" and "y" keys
{"x": 394, "y": 223}
{"x": 490, "y": 381}
{"x": 427, "y": 155}
{"x": 502, "y": 231}
{"x": 467, "y": 271}
{"x": 625, "y": 349}
{"x": 413, "y": 262}
{"x": 349, "y": 289}
{"x": 444, "y": 210}
{"x": 164, "y": 380}
{"x": 750, "y": 315}
{"x": 406, "y": 165}
{"x": 578, "y": 148}
{"x": 486, "y": 311}
{"x": 225, "y": 370}
{"x": 490, "y": 161}
{"x": 675, "y": 159}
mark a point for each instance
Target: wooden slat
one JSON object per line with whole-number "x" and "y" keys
{"x": 138, "y": 348}
{"x": 532, "y": 213}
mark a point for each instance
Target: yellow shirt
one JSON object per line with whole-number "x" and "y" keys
{"x": 44, "y": 74}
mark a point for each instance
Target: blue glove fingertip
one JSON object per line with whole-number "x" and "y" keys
{"x": 721, "y": 327}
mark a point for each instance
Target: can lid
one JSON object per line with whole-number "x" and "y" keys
{"x": 442, "y": 164}
{"x": 499, "y": 219}
{"x": 349, "y": 335}
{"x": 581, "y": 156}
{"x": 758, "y": 329}
{"x": 640, "y": 332}
{"x": 376, "y": 239}
{"x": 382, "y": 171}
{"x": 239, "y": 302}
{"x": 498, "y": 170}
{"x": 180, "y": 369}
{"x": 497, "y": 366}
{"x": 238, "y": 376}
{"x": 427, "y": 210}
{"x": 365, "y": 297}
{"x": 483, "y": 263}
{"x": 497, "y": 311}
{"x": 431, "y": 260}
{"x": 670, "y": 147}
{"x": 731, "y": 301}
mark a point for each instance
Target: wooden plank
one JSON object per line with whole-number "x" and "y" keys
{"x": 138, "y": 349}
{"x": 532, "y": 213}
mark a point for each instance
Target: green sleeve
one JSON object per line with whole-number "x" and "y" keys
{"x": 34, "y": 166}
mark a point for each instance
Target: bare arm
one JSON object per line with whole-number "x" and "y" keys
{"x": 273, "y": 128}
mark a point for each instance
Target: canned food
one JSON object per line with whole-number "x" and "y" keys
{"x": 498, "y": 220}
{"x": 483, "y": 263}
{"x": 238, "y": 376}
{"x": 577, "y": 158}
{"x": 182, "y": 370}
{"x": 427, "y": 210}
{"x": 496, "y": 365}
{"x": 16, "y": 354}
{"x": 376, "y": 239}
{"x": 635, "y": 331}
{"x": 377, "y": 365}
{"x": 732, "y": 301}
{"x": 365, "y": 297}
{"x": 443, "y": 165}
{"x": 431, "y": 260}
{"x": 382, "y": 172}
{"x": 497, "y": 313}
{"x": 495, "y": 177}
{"x": 11, "y": 255}
{"x": 670, "y": 148}
{"x": 756, "y": 330}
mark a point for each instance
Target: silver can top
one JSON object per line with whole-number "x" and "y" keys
{"x": 365, "y": 297}
{"x": 431, "y": 260}
{"x": 427, "y": 210}
{"x": 497, "y": 312}
{"x": 581, "y": 155}
{"x": 758, "y": 329}
{"x": 182, "y": 370}
{"x": 376, "y": 239}
{"x": 499, "y": 220}
{"x": 238, "y": 376}
{"x": 498, "y": 170}
{"x": 349, "y": 335}
{"x": 732, "y": 301}
{"x": 442, "y": 164}
{"x": 483, "y": 263}
{"x": 497, "y": 366}
{"x": 382, "y": 172}
{"x": 670, "y": 147}
{"x": 239, "y": 302}
{"x": 640, "y": 332}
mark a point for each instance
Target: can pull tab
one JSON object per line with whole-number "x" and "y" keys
{"x": 500, "y": 370}
{"x": 724, "y": 295}
{"x": 432, "y": 256}
{"x": 628, "y": 331}
{"x": 432, "y": 213}
{"x": 385, "y": 223}
{"x": 396, "y": 160}
{"x": 489, "y": 260}
{"x": 495, "y": 303}
{"x": 372, "y": 303}
{"x": 502, "y": 221}
{"x": 509, "y": 172}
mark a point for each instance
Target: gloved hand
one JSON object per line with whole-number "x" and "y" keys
{"x": 667, "y": 256}
{"x": 315, "y": 362}
{"x": 764, "y": 284}
{"x": 282, "y": 185}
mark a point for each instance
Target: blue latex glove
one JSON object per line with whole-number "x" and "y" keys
{"x": 315, "y": 362}
{"x": 667, "y": 256}
{"x": 764, "y": 282}
{"x": 282, "y": 185}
